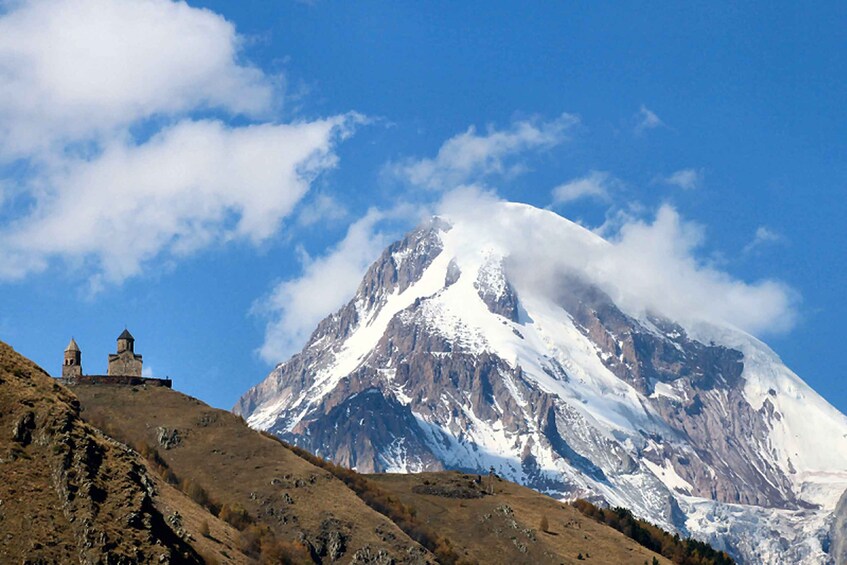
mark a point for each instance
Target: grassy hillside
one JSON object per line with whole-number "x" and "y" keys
{"x": 253, "y": 482}
{"x": 237, "y": 472}
{"x": 70, "y": 494}
{"x": 121, "y": 474}
{"x": 515, "y": 525}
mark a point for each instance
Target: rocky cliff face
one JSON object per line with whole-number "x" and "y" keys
{"x": 457, "y": 353}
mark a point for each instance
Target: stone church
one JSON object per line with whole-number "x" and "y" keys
{"x": 125, "y": 362}
{"x": 124, "y": 366}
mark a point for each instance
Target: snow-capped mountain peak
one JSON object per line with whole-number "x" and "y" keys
{"x": 512, "y": 338}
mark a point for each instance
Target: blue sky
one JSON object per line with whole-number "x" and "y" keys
{"x": 188, "y": 171}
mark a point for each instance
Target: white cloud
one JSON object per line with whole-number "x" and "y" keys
{"x": 686, "y": 179}
{"x": 654, "y": 266}
{"x": 78, "y": 77}
{"x": 646, "y": 267}
{"x": 296, "y": 306}
{"x": 469, "y": 156}
{"x": 190, "y": 185}
{"x": 73, "y": 70}
{"x": 596, "y": 184}
{"x": 763, "y": 236}
{"x": 647, "y": 119}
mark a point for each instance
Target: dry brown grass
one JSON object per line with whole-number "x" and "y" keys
{"x": 215, "y": 540}
{"x": 68, "y": 493}
{"x": 253, "y": 482}
{"x": 242, "y": 497}
{"x": 495, "y": 528}
{"x": 236, "y": 467}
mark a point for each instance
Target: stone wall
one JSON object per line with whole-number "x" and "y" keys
{"x": 125, "y": 380}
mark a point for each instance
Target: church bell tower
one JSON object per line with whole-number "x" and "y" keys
{"x": 72, "y": 366}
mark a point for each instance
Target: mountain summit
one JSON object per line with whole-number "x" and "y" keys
{"x": 509, "y": 337}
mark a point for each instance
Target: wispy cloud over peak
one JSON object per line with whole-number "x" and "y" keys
{"x": 595, "y": 185}
{"x": 470, "y": 156}
{"x": 295, "y": 306}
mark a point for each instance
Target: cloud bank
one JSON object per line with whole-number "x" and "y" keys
{"x": 654, "y": 266}
{"x": 73, "y": 69}
{"x": 191, "y": 185}
{"x": 80, "y": 78}
{"x": 645, "y": 267}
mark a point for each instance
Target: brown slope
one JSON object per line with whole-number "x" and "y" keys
{"x": 506, "y": 527}
{"x": 68, "y": 493}
{"x": 212, "y": 453}
{"x": 302, "y": 500}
